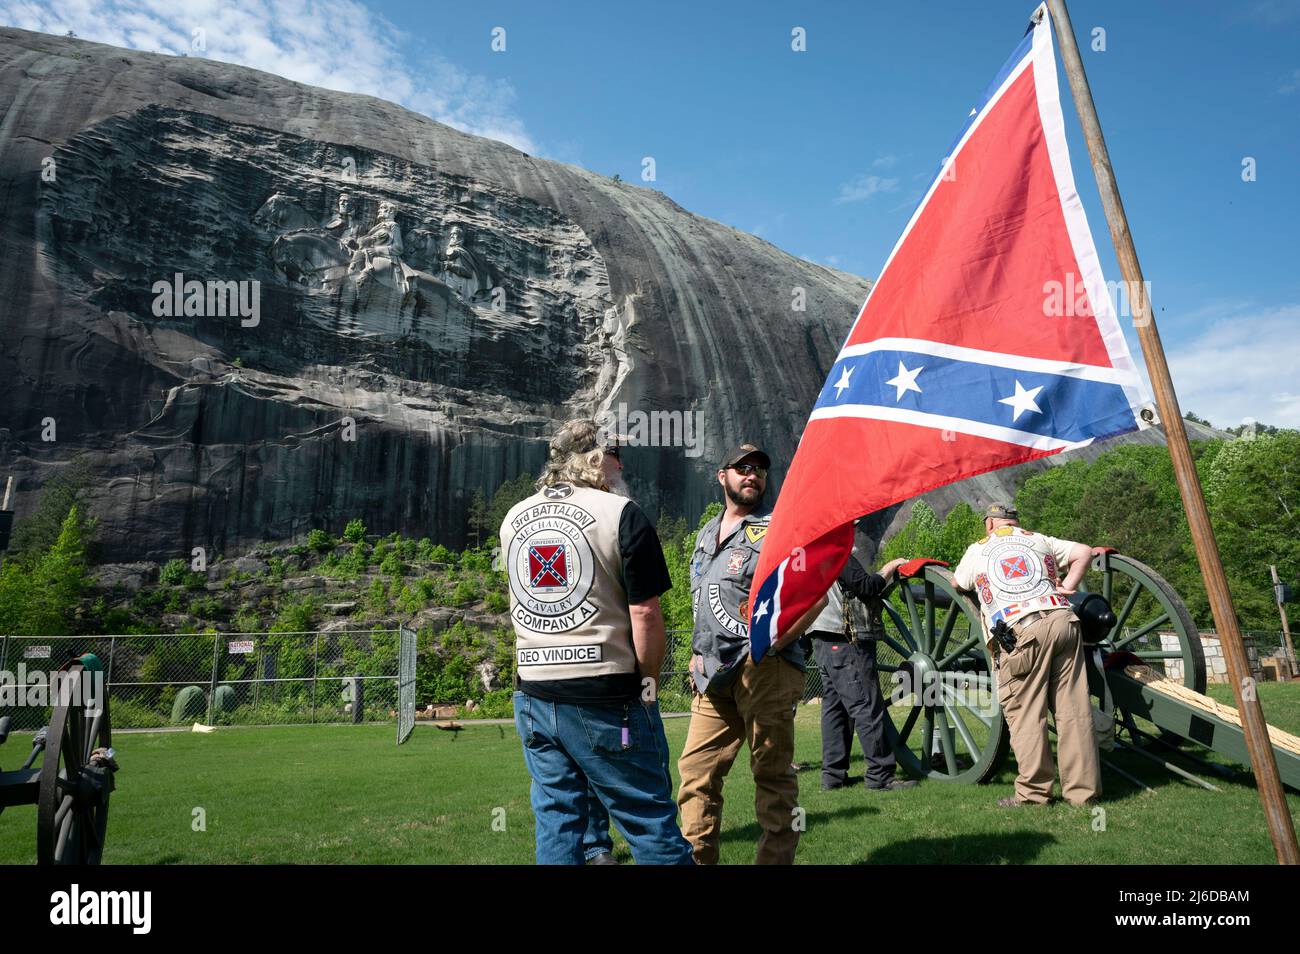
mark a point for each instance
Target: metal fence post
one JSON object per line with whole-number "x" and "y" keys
{"x": 315, "y": 653}
{"x": 212, "y": 692}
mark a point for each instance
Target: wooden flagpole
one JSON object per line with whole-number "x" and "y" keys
{"x": 1198, "y": 519}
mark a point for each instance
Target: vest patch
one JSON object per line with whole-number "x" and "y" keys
{"x": 755, "y": 532}
{"x": 732, "y": 625}
{"x": 736, "y": 560}
{"x": 558, "y": 655}
{"x": 552, "y": 569}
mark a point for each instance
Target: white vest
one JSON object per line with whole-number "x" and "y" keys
{"x": 567, "y": 601}
{"x": 1014, "y": 572}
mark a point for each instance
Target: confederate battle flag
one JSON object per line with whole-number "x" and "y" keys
{"x": 989, "y": 339}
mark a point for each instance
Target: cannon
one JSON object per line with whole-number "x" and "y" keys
{"x": 71, "y": 786}
{"x": 948, "y": 725}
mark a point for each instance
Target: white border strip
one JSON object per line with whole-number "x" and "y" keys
{"x": 1076, "y": 221}
{"x": 998, "y": 359}
{"x": 961, "y": 425}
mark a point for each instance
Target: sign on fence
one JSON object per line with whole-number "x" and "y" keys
{"x": 239, "y": 646}
{"x": 36, "y": 652}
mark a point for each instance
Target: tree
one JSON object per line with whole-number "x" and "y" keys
{"x": 506, "y": 496}
{"x": 40, "y": 597}
{"x": 35, "y": 534}
{"x": 962, "y": 527}
{"x": 919, "y": 537}
{"x": 477, "y": 517}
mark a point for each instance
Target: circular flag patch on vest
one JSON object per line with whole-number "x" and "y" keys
{"x": 552, "y": 569}
{"x": 1016, "y": 570}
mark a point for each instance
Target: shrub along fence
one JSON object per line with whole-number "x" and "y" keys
{"x": 156, "y": 680}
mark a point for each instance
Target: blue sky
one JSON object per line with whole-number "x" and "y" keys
{"x": 824, "y": 152}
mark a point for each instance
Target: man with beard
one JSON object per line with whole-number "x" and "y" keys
{"x": 737, "y": 701}
{"x": 586, "y": 572}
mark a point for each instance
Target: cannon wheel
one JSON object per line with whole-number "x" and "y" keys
{"x": 72, "y": 801}
{"x": 1145, "y": 604}
{"x": 939, "y": 633}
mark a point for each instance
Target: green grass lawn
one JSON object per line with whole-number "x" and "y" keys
{"x": 334, "y": 794}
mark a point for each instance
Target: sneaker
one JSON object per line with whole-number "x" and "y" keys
{"x": 893, "y": 785}
{"x": 604, "y": 858}
{"x": 832, "y": 786}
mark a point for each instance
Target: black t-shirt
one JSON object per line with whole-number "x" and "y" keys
{"x": 645, "y": 576}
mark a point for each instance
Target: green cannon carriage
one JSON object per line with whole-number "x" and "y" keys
{"x": 936, "y": 669}
{"x": 71, "y": 786}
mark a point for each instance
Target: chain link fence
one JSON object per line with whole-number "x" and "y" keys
{"x": 295, "y": 678}
{"x": 159, "y": 680}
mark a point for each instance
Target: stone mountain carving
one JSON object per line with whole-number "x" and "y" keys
{"x": 430, "y": 304}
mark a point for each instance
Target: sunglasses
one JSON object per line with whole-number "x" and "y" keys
{"x": 746, "y": 470}
{"x": 613, "y": 452}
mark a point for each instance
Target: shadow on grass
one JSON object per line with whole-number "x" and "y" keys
{"x": 751, "y": 831}
{"x": 1013, "y": 847}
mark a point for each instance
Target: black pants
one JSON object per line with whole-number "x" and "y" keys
{"x": 851, "y": 699}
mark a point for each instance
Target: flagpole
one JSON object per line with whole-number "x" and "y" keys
{"x": 1198, "y": 519}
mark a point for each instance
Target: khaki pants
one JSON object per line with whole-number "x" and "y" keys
{"x": 757, "y": 709}
{"x": 1045, "y": 672}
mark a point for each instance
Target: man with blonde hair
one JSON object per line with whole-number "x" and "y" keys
{"x": 586, "y": 571}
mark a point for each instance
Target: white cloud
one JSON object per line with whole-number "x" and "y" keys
{"x": 884, "y": 162}
{"x": 863, "y": 187}
{"x": 1243, "y": 365}
{"x": 1292, "y": 84}
{"x": 338, "y": 44}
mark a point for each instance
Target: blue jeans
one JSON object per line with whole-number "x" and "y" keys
{"x": 596, "y": 839}
{"x": 576, "y": 751}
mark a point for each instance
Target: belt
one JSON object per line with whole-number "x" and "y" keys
{"x": 1017, "y": 612}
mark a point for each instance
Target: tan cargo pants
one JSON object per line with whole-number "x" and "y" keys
{"x": 1045, "y": 672}
{"x": 757, "y": 709}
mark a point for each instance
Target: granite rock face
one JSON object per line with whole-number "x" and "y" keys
{"x": 254, "y": 307}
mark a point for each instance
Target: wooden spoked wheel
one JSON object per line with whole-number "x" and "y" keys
{"x": 936, "y": 672}
{"x": 76, "y": 774}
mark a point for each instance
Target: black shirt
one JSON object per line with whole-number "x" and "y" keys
{"x": 645, "y": 576}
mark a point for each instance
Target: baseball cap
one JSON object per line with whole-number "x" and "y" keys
{"x": 741, "y": 451}
{"x": 1001, "y": 511}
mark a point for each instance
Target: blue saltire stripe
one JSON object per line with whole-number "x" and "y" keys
{"x": 1073, "y": 409}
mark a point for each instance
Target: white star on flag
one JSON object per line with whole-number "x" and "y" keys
{"x": 905, "y": 380}
{"x": 759, "y": 613}
{"x": 1022, "y": 401}
{"x": 845, "y": 373}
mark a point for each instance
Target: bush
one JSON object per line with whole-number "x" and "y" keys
{"x": 207, "y": 607}
{"x": 131, "y": 714}
{"x": 320, "y": 541}
{"x": 497, "y": 704}
{"x": 376, "y": 598}
{"x": 466, "y": 591}
{"x": 355, "y": 531}
{"x": 391, "y": 565}
{"x": 497, "y": 602}
{"x": 173, "y": 572}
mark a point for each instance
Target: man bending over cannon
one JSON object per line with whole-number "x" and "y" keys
{"x": 1034, "y": 636}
